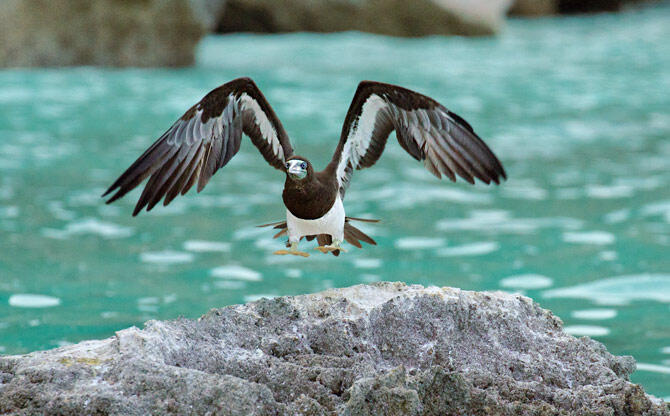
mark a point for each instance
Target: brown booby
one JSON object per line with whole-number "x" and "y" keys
{"x": 209, "y": 134}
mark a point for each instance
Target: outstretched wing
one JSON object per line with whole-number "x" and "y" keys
{"x": 202, "y": 141}
{"x": 429, "y": 132}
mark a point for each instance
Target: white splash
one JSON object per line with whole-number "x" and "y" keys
{"x": 367, "y": 263}
{"x": 619, "y": 290}
{"x": 233, "y": 271}
{"x": 472, "y": 249}
{"x": 27, "y": 300}
{"x": 527, "y": 281}
{"x": 166, "y": 257}
{"x": 89, "y": 226}
{"x": 200, "y": 246}
{"x": 419, "y": 243}
{"x": 595, "y": 314}
{"x": 589, "y": 237}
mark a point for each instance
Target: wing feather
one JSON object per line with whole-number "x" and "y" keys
{"x": 202, "y": 141}
{"x": 445, "y": 142}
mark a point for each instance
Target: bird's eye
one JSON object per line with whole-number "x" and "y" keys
{"x": 288, "y": 165}
{"x": 303, "y": 165}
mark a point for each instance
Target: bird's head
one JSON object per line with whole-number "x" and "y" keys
{"x": 298, "y": 168}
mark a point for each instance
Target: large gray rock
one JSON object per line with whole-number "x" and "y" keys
{"x": 99, "y": 32}
{"x": 382, "y": 349}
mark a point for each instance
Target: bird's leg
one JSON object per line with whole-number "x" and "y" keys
{"x": 293, "y": 250}
{"x": 336, "y": 245}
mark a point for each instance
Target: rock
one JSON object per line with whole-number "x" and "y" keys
{"x": 100, "y": 32}
{"x": 378, "y": 349}
{"x": 388, "y": 17}
{"x": 530, "y": 8}
{"x": 548, "y": 7}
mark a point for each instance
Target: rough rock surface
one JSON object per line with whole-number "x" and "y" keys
{"x": 388, "y": 17}
{"x": 100, "y": 32}
{"x": 386, "y": 349}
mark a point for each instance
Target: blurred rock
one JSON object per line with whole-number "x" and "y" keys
{"x": 548, "y": 7}
{"x": 101, "y": 32}
{"x": 386, "y": 349}
{"x": 530, "y": 8}
{"x": 389, "y": 17}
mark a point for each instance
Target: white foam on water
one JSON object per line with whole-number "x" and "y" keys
{"x": 293, "y": 273}
{"x": 657, "y": 208}
{"x": 249, "y": 233}
{"x": 367, "y": 263}
{"x": 230, "y": 284}
{"x": 166, "y": 257}
{"x": 654, "y": 368}
{"x": 370, "y": 278}
{"x": 568, "y": 193}
{"x": 10, "y": 211}
{"x": 28, "y": 300}
{"x": 253, "y": 298}
{"x": 406, "y": 195}
{"x": 616, "y": 217}
{"x": 665, "y": 350}
{"x": 609, "y": 192}
{"x": 501, "y": 221}
{"x": 236, "y": 272}
{"x": 109, "y": 314}
{"x": 608, "y": 255}
{"x": 594, "y": 314}
{"x": 201, "y": 246}
{"x": 269, "y": 243}
{"x": 419, "y": 243}
{"x": 527, "y": 192}
{"x": 527, "y": 281}
{"x": 472, "y": 249}
{"x": 619, "y": 290}
{"x": 149, "y": 300}
{"x": 589, "y": 237}
{"x": 91, "y": 226}
{"x": 587, "y": 330}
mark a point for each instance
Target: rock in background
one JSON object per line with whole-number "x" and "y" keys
{"x": 388, "y": 17}
{"x": 548, "y": 7}
{"x": 100, "y": 32}
{"x": 382, "y": 349}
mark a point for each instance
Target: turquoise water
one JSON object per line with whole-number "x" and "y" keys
{"x": 578, "y": 110}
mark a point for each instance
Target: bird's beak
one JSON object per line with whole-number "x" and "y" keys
{"x": 296, "y": 172}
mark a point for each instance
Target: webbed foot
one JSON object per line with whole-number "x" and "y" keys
{"x": 293, "y": 250}
{"x": 329, "y": 248}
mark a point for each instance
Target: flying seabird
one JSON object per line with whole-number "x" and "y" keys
{"x": 209, "y": 134}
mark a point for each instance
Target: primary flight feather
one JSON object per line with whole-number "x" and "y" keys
{"x": 209, "y": 134}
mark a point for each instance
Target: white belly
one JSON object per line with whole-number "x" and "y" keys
{"x": 331, "y": 223}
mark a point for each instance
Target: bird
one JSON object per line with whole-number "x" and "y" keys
{"x": 209, "y": 134}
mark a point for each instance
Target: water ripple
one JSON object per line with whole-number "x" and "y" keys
{"x": 619, "y": 290}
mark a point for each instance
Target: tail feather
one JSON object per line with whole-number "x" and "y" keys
{"x": 352, "y": 235}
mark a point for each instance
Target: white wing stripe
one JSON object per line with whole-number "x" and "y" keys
{"x": 360, "y": 135}
{"x": 264, "y": 124}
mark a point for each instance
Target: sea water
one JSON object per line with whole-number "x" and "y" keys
{"x": 577, "y": 109}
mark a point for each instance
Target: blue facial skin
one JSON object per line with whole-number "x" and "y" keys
{"x": 297, "y": 169}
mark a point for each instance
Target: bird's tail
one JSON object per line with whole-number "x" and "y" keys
{"x": 352, "y": 235}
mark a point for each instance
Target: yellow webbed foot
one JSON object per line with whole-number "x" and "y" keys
{"x": 329, "y": 248}
{"x": 293, "y": 252}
